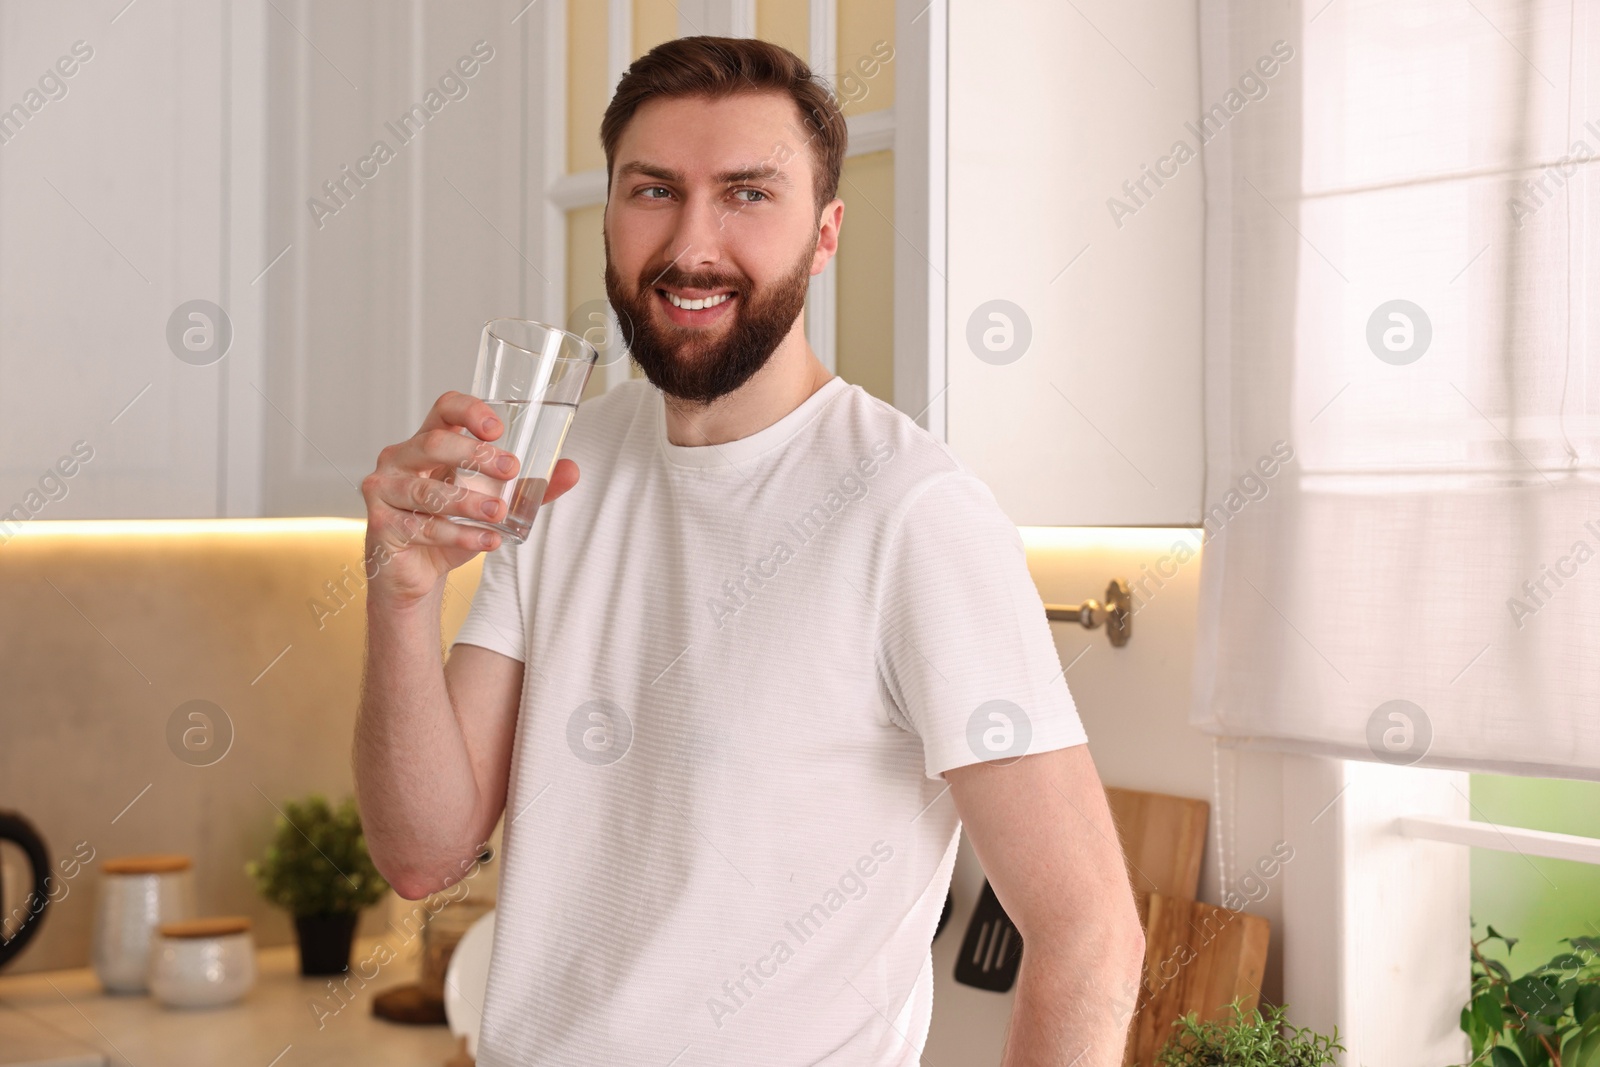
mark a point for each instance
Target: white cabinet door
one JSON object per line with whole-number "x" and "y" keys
{"x": 229, "y": 154}
{"x": 114, "y": 137}
{"x": 1073, "y": 336}
{"x": 397, "y": 169}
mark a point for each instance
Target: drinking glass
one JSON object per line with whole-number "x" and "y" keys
{"x": 532, "y": 376}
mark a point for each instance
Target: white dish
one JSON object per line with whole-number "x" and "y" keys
{"x": 466, "y": 979}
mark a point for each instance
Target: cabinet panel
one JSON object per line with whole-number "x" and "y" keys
{"x": 109, "y": 219}
{"x": 1073, "y": 342}
{"x": 403, "y": 203}
{"x": 353, "y": 187}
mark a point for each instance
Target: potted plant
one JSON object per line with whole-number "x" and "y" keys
{"x": 317, "y": 868}
{"x": 1249, "y": 1039}
{"x": 1549, "y": 1016}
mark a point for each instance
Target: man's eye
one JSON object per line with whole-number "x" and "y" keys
{"x": 648, "y": 188}
{"x": 758, "y": 192}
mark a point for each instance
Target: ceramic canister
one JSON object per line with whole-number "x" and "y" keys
{"x": 136, "y": 895}
{"x": 201, "y": 963}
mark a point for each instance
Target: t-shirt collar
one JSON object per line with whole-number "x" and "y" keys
{"x": 732, "y": 452}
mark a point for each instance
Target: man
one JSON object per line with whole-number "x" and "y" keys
{"x": 737, "y": 694}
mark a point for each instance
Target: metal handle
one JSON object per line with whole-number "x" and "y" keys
{"x": 1116, "y": 613}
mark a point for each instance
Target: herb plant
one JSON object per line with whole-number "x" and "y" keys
{"x": 1249, "y": 1039}
{"x": 317, "y": 863}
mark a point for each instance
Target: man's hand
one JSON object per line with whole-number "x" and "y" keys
{"x": 1042, "y": 830}
{"x": 407, "y": 497}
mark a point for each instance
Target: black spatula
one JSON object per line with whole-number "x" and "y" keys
{"x": 991, "y": 951}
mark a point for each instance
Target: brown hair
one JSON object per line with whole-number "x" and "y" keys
{"x": 718, "y": 67}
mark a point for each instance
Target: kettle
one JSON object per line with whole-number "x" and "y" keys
{"x": 19, "y": 831}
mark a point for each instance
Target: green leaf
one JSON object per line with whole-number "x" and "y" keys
{"x": 1498, "y": 968}
{"x": 1470, "y": 1023}
{"x": 1489, "y": 1013}
{"x": 1511, "y": 942}
{"x": 1586, "y": 1003}
{"x": 1568, "y": 992}
{"x": 1582, "y": 1048}
{"x": 1502, "y": 1056}
{"x": 1530, "y": 1048}
{"x": 1534, "y": 995}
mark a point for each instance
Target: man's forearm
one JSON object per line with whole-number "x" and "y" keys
{"x": 1071, "y": 1006}
{"x": 419, "y": 798}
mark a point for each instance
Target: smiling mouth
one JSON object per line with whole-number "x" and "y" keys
{"x": 695, "y": 303}
{"x": 695, "y": 312}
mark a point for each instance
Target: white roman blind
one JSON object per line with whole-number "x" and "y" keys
{"x": 1403, "y": 381}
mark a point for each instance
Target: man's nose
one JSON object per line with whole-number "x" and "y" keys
{"x": 697, "y": 238}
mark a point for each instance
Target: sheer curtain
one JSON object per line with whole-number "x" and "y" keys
{"x": 1403, "y": 407}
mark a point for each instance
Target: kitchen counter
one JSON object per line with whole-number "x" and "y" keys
{"x": 64, "y": 1018}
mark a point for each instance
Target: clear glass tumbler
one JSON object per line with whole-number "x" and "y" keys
{"x": 532, "y": 375}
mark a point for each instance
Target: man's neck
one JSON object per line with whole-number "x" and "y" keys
{"x": 783, "y": 384}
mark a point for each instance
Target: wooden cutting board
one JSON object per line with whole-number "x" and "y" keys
{"x": 1197, "y": 958}
{"x": 1163, "y": 839}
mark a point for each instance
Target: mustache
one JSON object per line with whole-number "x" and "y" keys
{"x": 684, "y": 280}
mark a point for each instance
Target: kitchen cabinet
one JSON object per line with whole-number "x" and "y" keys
{"x": 229, "y": 156}
{"x": 1071, "y": 377}
{"x": 1047, "y": 258}
{"x": 397, "y": 169}
{"x": 111, "y": 135}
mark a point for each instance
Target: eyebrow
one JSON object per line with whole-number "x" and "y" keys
{"x": 753, "y": 172}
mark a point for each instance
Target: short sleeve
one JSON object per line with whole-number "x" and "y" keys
{"x": 495, "y": 620}
{"x": 964, "y": 647}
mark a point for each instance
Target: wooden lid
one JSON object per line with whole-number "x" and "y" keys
{"x": 151, "y": 864}
{"x": 216, "y": 926}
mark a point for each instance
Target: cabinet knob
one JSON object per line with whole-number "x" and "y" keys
{"x": 1116, "y": 613}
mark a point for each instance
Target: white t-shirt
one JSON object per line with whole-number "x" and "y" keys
{"x": 727, "y": 837}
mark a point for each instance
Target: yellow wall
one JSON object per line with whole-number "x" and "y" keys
{"x": 865, "y": 303}
{"x": 586, "y": 266}
{"x": 866, "y": 31}
{"x": 654, "y": 21}
{"x": 865, "y": 262}
{"x": 786, "y": 23}
{"x": 587, "y": 91}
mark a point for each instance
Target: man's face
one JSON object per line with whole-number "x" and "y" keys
{"x": 711, "y": 200}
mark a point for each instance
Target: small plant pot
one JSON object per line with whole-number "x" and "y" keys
{"x": 325, "y": 942}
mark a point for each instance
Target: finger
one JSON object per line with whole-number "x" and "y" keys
{"x": 431, "y": 450}
{"x": 409, "y": 529}
{"x": 429, "y": 496}
{"x": 457, "y": 409}
{"x": 562, "y": 478}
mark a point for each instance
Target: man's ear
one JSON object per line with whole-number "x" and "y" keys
{"x": 828, "y": 226}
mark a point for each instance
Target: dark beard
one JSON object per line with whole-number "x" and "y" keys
{"x": 695, "y": 370}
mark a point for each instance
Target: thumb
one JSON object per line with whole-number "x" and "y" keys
{"x": 562, "y": 478}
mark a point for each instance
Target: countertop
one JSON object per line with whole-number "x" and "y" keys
{"x": 275, "y": 1025}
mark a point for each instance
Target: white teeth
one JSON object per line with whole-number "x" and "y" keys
{"x": 696, "y": 305}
